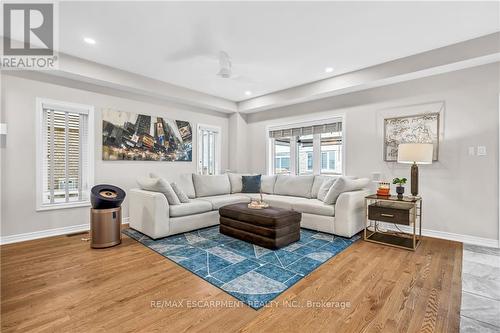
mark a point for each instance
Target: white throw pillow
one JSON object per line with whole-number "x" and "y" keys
{"x": 184, "y": 181}
{"x": 325, "y": 187}
{"x": 344, "y": 184}
{"x": 318, "y": 181}
{"x": 180, "y": 193}
{"x": 159, "y": 185}
{"x": 267, "y": 184}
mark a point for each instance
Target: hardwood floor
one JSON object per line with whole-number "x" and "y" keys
{"x": 60, "y": 284}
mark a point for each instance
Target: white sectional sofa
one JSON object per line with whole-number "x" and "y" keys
{"x": 151, "y": 214}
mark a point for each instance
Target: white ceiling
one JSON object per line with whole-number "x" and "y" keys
{"x": 273, "y": 46}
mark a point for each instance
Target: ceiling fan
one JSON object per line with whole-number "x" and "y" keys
{"x": 201, "y": 45}
{"x": 226, "y": 69}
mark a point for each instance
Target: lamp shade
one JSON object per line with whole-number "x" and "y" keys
{"x": 420, "y": 153}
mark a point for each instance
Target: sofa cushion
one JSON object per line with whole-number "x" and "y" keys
{"x": 318, "y": 181}
{"x": 159, "y": 185}
{"x": 236, "y": 181}
{"x": 297, "y": 186}
{"x": 314, "y": 206}
{"x": 282, "y": 201}
{"x": 211, "y": 185}
{"x": 251, "y": 184}
{"x": 344, "y": 184}
{"x": 180, "y": 193}
{"x": 195, "y": 206}
{"x": 253, "y": 196}
{"x": 187, "y": 185}
{"x": 267, "y": 184}
{"x": 227, "y": 199}
{"x": 185, "y": 182}
{"x": 324, "y": 188}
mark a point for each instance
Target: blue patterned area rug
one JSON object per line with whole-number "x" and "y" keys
{"x": 253, "y": 274}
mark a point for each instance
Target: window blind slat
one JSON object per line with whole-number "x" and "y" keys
{"x": 80, "y": 153}
{"x": 85, "y": 158}
{"x": 52, "y": 158}
{"x": 306, "y": 130}
{"x": 66, "y": 158}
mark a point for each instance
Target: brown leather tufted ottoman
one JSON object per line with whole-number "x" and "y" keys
{"x": 269, "y": 227}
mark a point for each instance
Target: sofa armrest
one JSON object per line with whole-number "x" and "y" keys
{"x": 149, "y": 213}
{"x": 350, "y": 213}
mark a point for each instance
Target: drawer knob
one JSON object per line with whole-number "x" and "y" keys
{"x": 386, "y": 215}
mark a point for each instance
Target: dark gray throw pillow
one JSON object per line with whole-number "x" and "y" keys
{"x": 251, "y": 184}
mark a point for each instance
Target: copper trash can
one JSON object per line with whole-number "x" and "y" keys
{"x": 106, "y": 216}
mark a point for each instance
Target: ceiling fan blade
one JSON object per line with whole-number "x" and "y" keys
{"x": 243, "y": 78}
{"x": 201, "y": 44}
{"x": 183, "y": 54}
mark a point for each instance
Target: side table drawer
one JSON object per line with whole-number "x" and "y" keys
{"x": 389, "y": 214}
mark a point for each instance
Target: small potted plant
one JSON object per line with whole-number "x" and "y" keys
{"x": 400, "y": 188}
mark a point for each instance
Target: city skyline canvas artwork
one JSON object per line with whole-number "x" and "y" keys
{"x": 132, "y": 136}
{"x": 421, "y": 128}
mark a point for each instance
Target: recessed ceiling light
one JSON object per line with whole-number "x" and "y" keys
{"x": 328, "y": 69}
{"x": 248, "y": 92}
{"x": 89, "y": 40}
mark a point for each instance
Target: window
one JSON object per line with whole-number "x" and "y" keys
{"x": 282, "y": 156}
{"x": 305, "y": 154}
{"x": 64, "y": 154}
{"x": 331, "y": 152}
{"x": 208, "y": 150}
{"x": 327, "y": 161}
{"x": 313, "y": 148}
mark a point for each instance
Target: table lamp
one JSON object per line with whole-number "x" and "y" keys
{"x": 415, "y": 153}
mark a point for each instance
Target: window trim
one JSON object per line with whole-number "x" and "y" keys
{"x": 218, "y": 147}
{"x": 42, "y": 103}
{"x": 293, "y": 145}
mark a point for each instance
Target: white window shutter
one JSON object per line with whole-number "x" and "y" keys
{"x": 65, "y": 174}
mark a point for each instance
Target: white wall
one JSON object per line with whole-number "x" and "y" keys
{"x": 18, "y": 157}
{"x": 238, "y": 141}
{"x": 460, "y": 192}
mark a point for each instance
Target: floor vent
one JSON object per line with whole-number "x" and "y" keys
{"x": 77, "y": 234}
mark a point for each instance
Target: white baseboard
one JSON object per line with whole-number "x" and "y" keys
{"x": 48, "y": 233}
{"x": 84, "y": 227}
{"x": 446, "y": 235}
{"x": 43, "y": 234}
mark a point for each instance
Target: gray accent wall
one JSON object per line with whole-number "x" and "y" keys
{"x": 18, "y": 214}
{"x": 460, "y": 192}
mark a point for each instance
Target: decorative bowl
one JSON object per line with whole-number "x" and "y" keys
{"x": 258, "y": 205}
{"x": 383, "y": 192}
